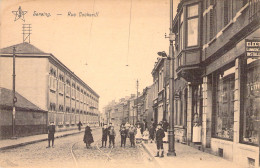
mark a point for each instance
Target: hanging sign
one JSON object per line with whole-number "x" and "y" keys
{"x": 252, "y": 47}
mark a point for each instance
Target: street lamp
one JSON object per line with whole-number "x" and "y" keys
{"x": 171, "y": 139}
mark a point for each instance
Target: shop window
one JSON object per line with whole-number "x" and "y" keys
{"x": 197, "y": 105}
{"x": 224, "y": 104}
{"x": 192, "y": 25}
{"x": 251, "y": 115}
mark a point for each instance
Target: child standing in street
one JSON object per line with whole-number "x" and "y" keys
{"x": 146, "y": 136}
{"x": 132, "y": 132}
{"x": 123, "y": 134}
{"x": 112, "y": 135}
{"x": 159, "y": 140}
{"x": 104, "y": 136}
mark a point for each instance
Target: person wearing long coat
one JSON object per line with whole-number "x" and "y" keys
{"x": 88, "y": 138}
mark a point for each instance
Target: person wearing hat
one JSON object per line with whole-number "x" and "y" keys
{"x": 123, "y": 134}
{"x": 159, "y": 140}
{"x": 51, "y": 132}
{"x": 104, "y": 135}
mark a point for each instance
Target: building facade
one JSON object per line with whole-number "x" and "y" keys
{"x": 216, "y": 77}
{"x": 48, "y": 83}
{"x": 160, "y": 75}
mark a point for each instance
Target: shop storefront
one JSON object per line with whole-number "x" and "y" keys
{"x": 232, "y": 105}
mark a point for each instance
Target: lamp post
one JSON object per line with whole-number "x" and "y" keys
{"x": 171, "y": 136}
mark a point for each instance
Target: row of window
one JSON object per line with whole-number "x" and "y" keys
{"x": 52, "y": 107}
{"x": 74, "y": 93}
{"x": 61, "y": 83}
{"x": 187, "y": 34}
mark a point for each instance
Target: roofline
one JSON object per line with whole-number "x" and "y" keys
{"x": 157, "y": 65}
{"x": 49, "y": 55}
{"x": 8, "y": 107}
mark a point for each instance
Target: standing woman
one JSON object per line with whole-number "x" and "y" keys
{"x": 88, "y": 138}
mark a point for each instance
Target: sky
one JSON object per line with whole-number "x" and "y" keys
{"x": 96, "y": 48}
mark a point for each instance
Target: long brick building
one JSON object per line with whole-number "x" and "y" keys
{"x": 46, "y": 82}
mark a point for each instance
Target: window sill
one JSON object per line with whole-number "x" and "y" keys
{"x": 212, "y": 40}
{"x": 225, "y": 139}
{"x": 227, "y": 26}
{"x": 52, "y": 90}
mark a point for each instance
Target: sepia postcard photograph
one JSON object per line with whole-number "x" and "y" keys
{"x": 129, "y": 83}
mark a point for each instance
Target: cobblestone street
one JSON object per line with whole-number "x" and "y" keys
{"x": 37, "y": 155}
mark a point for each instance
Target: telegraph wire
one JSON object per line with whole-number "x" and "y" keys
{"x": 129, "y": 32}
{"x": 90, "y": 30}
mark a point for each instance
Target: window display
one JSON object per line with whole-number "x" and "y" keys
{"x": 224, "y": 110}
{"x": 251, "y": 115}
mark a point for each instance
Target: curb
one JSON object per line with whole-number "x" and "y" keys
{"x": 39, "y": 140}
{"x": 149, "y": 152}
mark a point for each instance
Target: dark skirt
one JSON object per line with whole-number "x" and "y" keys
{"x": 88, "y": 138}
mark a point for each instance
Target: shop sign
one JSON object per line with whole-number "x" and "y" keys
{"x": 252, "y": 47}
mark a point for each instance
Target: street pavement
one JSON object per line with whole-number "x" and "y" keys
{"x": 37, "y": 155}
{"x": 21, "y": 141}
{"x": 187, "y": 156}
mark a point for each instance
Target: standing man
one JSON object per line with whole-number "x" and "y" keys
{"x": 104, "y": 135}
{"x": 159, "y": 140}
{"x": 51, "y": 132}
{"x": 79, "y": 125}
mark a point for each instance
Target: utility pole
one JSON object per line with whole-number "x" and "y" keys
{"x": 137, "y": 84}
{"x": 14, "y": 97}
{"x": 171, "y": 150}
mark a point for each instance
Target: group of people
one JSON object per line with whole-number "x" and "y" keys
{"x": 136, "y": 134}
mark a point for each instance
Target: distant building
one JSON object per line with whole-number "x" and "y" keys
{"x": 46, "y": 82}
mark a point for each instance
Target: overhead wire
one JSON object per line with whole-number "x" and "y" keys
{"x": 129, "y": 32}
{"x": 90, "y": 30}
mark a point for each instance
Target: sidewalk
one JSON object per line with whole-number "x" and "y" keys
{"x": 188, "y": 157}
{"x": 21, "y": 141}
